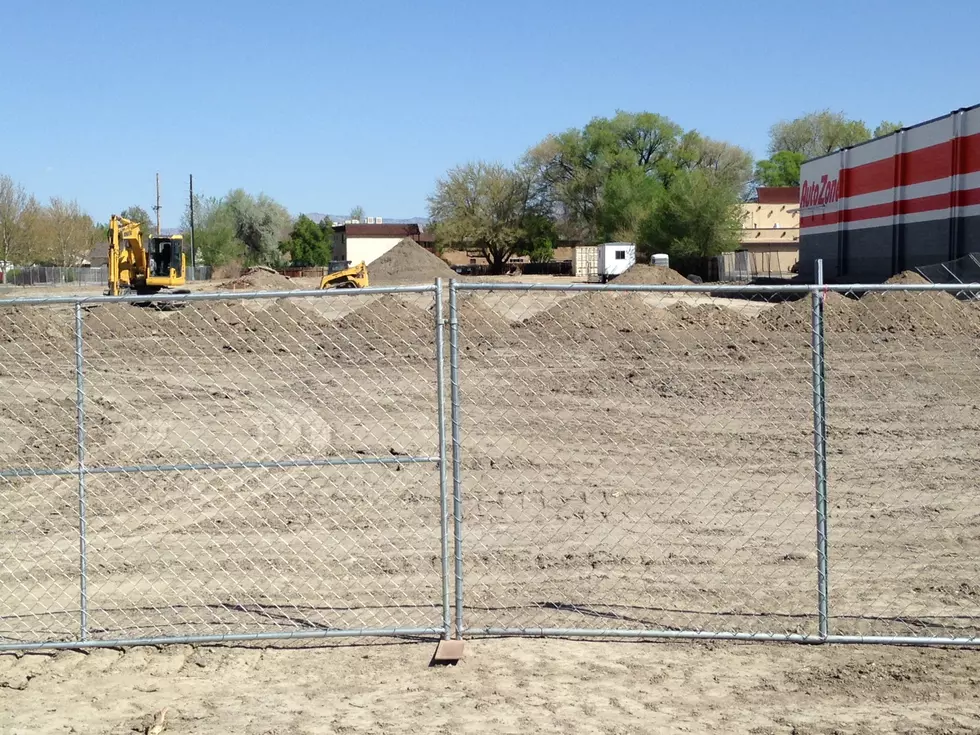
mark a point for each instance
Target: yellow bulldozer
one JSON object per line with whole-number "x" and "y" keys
{"x": 156, "y": 267}
{"x": 354, "y": 277}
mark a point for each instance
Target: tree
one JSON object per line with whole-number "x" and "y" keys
{"x": 782, "y": 169}
{"x": 886, "y": 128}
{"x": 215, "y": 243}
{"x": 308, "y": 243}
{"x": 70, "y": 233}
{"x": 357, "y": 213}
{"x": 577, "y": 165}
{"x": 19, "y": 224}
{"x": 489, "y": 208}
{"x": 695, "y": 219}
{"x": 816, "y": 134}
{"x": 138, "y": 214}
{"x": 606, "y": 178}
{"x": 261, "y": 223}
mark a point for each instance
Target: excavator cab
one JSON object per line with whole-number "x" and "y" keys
{"x": 164, "y": 254}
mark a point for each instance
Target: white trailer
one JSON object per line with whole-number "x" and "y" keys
{"x": 615, "y": 258}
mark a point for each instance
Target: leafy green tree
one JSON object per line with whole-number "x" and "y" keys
{"x": 817, "y": 133}
{"x": 308, "y": 243}
{"x": 781, "y": 169}
{"x": 138, "y": 214}
{"x": 489, "y": 208}
{"x": 357, "y": 213}
{"x": 261, "y": 223}
{"x": 886, "y": 128}
{"x": 215, "y": 241}
{"x": 604, "y": 179}
{"x": 695, "y": 219}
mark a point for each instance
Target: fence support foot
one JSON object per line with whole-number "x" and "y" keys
{"x": 448, "y": 653}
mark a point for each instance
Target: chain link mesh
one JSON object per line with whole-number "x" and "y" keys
{"x": 253, "y": 466}
{"x": 903, "y": 394}
{"x": 636, "y": 461}
{"x": 631, "y": 461}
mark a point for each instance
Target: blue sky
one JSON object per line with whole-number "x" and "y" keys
{"x": 327, "y": 105}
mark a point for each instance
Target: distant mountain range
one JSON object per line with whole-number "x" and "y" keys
{"x": 335, "y": 218}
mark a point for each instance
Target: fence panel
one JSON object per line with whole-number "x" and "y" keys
{"x": 903, "y": 381}
{"x": 39, "y": 563}
{"x": 253, "y": 467}
{"x": 635, "y": 463}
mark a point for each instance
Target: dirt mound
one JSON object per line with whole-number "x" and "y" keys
{"x": 929, "y": 314}
{"x": 479, "y": 321}
{"x": 39, "y": 324}
{"x": 390, "y": 318}
{"x": 259, "y": 279}
{"x": 599, "y": 312}
{"x": 651, "y": 275}
{"x": 707, "y": 316}
{"x": 407, "y": 263}
{"x": 907, "y": 278}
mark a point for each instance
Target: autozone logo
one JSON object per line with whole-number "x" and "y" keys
{"x": 817, "y": 193}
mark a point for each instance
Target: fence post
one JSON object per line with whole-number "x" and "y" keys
{"x": 818, "y": 296}
{"x": 443, "y": 455}
{"x": 80, "y": 446}
{"x": 457, "y": 456}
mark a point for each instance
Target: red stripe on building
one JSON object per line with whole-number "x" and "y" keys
{"x": 915, "y": 167}
{"x": 965, "y": 198}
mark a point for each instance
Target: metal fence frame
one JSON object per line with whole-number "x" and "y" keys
{"x": 453, "y": 601}
{"x": 81, "y": 471}
{"x": 818, "y": 293}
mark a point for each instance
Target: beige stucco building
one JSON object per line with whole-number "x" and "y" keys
{"x": 771, "y": 231}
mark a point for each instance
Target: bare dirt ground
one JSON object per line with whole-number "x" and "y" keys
{"x": 628, "y": 462}
{"x": 505, "y": 686}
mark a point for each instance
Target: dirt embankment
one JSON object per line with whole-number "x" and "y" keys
{"x": 408, "y": 264}
{"x": 651, "y": 275}
{"x": 259, "y": 279}
{"x": 922, "y": 313}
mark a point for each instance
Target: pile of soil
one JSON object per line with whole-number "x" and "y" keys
{"x": 407, "y": 263}
{"x": 651, "y": 275}
{"x": 125, "y": 321}
{"x": 259, "y": 279}
{"x": 38, "y": 324}
{"x": 390, "y": 319}
{"x": 707, "y": 316}
{"x": 907, "y": 278}
{"x": 599, "y": 312}
{"x": 477, "y": 321}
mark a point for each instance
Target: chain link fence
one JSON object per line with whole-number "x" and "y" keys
{"x": 235, "y": 468}
{"x": 98, "y": 276}
{"x": 786, "y": 463}
{"x": 766, "y": 463}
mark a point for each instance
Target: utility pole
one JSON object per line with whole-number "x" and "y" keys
{"x": 192, "y": 221}
{"x": 157, "y": 207}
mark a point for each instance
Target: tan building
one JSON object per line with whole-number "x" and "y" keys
{"x": 771, "y": 231}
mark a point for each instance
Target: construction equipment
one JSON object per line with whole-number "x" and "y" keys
{"x": 159, "y": 267}
{"x": 354, "y": 277}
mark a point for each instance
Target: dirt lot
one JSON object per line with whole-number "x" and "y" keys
{"x": 628, "y": 462}
{"x": 501, "y": 686}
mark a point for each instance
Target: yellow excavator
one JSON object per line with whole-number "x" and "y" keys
{"x": 157, "y": 267}
{"x": 355, "y": 277}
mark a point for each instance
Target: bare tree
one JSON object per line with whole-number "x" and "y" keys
{"x": 19, "y": 214}
{"x": 71, "y": 232}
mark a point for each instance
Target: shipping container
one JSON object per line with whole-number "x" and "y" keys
{"x": 905, "y": 200}
{"x": 586, "y": 263}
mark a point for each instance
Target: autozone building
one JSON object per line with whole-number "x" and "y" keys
{"x": 908, "y": 199}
